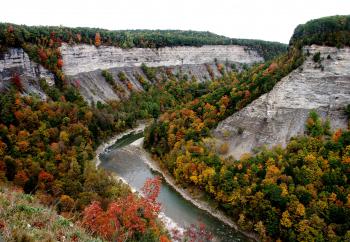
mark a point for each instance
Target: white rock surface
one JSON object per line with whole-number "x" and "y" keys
{"x": 280, "y": 114}
{"x": 16, "y": 61}
{"x": 85, "y": 62}
{"x": 86, "y": 58}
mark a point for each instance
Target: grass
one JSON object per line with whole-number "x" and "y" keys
{"x": 23, "y": 218}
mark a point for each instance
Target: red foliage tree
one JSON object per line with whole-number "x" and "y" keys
{"x": 45, "y": 177}
{"x": 98, "y": 221}
{"x": 45, "y": 180}
{"x": 16, "y": 80}
{"x": 126, "y": 216}
{"x": 60, "y": 63}
{"x": 42, "y": 55}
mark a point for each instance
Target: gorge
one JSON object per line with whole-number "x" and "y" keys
{"x": 251, "y": 138}
{"x": 277, "y": 116}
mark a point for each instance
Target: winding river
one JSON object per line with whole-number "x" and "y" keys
{"x": 126, "y": 158}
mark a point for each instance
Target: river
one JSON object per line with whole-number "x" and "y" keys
{"x": 123, "y": 159}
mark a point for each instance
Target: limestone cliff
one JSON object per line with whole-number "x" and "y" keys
{"x": 280, "y": 114}
{"x": 85, "y": 58}
{"x": 85, "y": 62}
{"x": 16, "y": 61}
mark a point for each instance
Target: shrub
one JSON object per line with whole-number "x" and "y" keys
{"x": 128, "y": 217}
{"x": 223, "y": 148}
{"x": 317, "y": 57}
{"x": 66, "y": 203}
{"x": 17, "y": 82}
{"x": 150, "y": 72}
{"x": 108, "y": 77}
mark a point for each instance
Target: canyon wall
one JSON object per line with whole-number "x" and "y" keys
{"x": 14, "y": 61}
{"x": 85, "y": 58}
{"x": 84, "y": 63}
{"x": 281, "y": 114}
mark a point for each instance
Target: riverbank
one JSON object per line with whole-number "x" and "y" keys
{"x": 173, "y": 228}
{"x": 104, "y": 146}
{"x": 137, "y": 146}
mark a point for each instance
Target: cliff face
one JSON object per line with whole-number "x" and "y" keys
{"x": 85, "y": 58}
{"x": 16, "y": 61}
{"x": 85, "y": 63}
{"x": 280, "y": 114}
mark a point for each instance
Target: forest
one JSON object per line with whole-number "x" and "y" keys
{"x": 133, "y": 38}
{"x": 42, "y": 42}
{"x": 46, "y": 148}
{"x": 299, "y": 193}
{"x": 330, "y": 31}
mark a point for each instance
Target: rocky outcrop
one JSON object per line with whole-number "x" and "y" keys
{"x": 85, "y": 58}
{"x": 16, "y": 61}
{"x": 84, "y": 63}
{"x": 93, "y": 86}
{"x": 280, "y": 114}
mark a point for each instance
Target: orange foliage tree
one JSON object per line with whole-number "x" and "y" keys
{"x": 97, "y": 39}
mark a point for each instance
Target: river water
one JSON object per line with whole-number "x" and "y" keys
{"x": 122, "y": 159}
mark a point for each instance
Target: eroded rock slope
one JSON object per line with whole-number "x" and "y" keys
{"x": 280, "y": 114}
{"x": 84, "y": 63}
{"x": 15, "y": 61}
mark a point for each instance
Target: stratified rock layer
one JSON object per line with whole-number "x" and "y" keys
{"x": 16, "y": 62}
{"x": 85, "y": 58}
{"x": 280, "y": 114}
{"x": 84, "y": 63}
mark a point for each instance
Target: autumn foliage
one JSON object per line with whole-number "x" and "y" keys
{"x": 16, "y": 80}
{"x": 292, "y": 194}
{"x": 126, "y": 217}
{"x": 97, "y": 39}
{"x": 46, "y": 148}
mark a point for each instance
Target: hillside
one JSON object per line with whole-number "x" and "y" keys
{"x": 321, "y": 84}
{"x": 275, "y": 117}
{"x": 134, "y": 69}
{"x": 132, "y": 38}
{"x": 77, "y": 56}
{"x": 24, "y": 218}
{"x": 330, "y": 31}
{"x": 296, "y": 193}
{"x": 66, "y": 90}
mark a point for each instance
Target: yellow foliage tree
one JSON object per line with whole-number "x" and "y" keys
{"x": 286, "y": 221}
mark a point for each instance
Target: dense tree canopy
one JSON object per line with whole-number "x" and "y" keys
{"x": 130, "y": 38}
{"x": 330, "y": 31}
{"x": 300, "y": 193}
